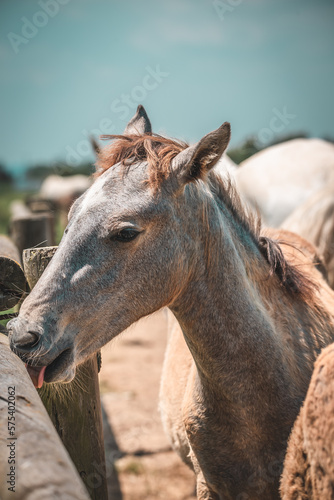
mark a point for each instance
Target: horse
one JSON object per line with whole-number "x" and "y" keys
{"x": 314, "y": 220}
{"x": 309, "y": 463}
{"x": 282, "y": 177}
{"x": 159, "y": 228}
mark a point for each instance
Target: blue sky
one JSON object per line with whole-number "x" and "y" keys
{"x": 243, "y": 61}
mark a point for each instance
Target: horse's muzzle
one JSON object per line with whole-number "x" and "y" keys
{"x": 44, "y": 361}
{"x": 24, "y": 336}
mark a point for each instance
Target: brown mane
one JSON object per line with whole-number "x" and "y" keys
{"x": 158, "y": 152}
{"x": 290, "y": 276}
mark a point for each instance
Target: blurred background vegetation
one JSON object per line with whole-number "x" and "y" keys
{"x": 29, "y": 185}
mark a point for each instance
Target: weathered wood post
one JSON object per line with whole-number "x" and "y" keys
{"x": 75, "y": 408}
{"x": 33, "y": 460}
{"x": 38, "y": 205}
{"x": 13, "y": 284}
{"x": 33, "y": 230}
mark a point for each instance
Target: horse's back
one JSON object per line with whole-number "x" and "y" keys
{"x": 314, "y": 220}
{"x": 282, "y": 177}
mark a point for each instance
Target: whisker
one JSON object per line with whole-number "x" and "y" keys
{"x": 38, "y": 244}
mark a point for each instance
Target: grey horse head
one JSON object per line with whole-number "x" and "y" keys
{"x": 132, "y": 244}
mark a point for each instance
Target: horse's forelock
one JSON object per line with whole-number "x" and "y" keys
{"x": 156, "y": 150}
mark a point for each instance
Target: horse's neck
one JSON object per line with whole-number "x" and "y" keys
{"x": 223, "y": 317}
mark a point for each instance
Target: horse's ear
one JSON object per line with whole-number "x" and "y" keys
{"x": 139, "y": 124}
{"x": 95, "y": 145}
{"x": 195, "y": 161}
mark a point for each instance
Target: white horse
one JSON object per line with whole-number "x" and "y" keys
{"x": 314, "y": 221}
{"x": 280, "y": 178}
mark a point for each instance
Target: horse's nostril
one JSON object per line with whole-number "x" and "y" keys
{"x": 28, "y": 339}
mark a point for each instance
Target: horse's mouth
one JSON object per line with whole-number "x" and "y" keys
{"x": 57, "y": 371}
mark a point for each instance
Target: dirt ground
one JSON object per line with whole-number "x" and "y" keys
{"x": 140, "y": 462}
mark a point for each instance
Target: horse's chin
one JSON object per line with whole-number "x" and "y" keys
{"x": 62, "y": 369}
{"x": 61, "y": 378}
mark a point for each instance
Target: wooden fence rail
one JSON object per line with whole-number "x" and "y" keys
{"x": 33, "y": 461}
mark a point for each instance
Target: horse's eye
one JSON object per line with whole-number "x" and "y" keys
{"x": 127, "y": 234}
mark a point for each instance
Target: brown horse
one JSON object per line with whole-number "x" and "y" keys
{"x": 159, "y": 228}
{"x": 309, "y": 464}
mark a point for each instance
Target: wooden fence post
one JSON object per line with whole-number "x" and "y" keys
{"x": 75, "y": 408}
{"x": 33, "y": 230}
{"x": 13, "y": 284}
{"x": 38, "y": 205}
{"x": 41, "y": 468}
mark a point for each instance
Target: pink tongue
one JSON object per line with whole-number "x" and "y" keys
{"x": 36, "y": 375}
